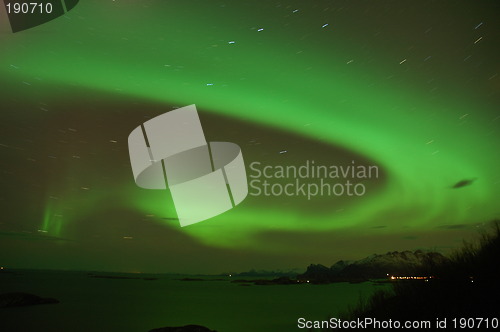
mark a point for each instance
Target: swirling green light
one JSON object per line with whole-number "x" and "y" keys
{"x": 179, "y": 56}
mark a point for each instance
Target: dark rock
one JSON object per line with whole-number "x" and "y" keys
{"x": 277, "y": 281}
{"x": 23, "y": 299}
{"x": 267, "y": 273}
{"x": 187, "y": 328}
{"x": 242, "y": 281}
{"x": 266, "y": 282}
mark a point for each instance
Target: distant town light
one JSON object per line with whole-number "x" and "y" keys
{"x": 411, "y": 277}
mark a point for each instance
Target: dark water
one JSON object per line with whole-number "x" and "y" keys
{"x": 95, "y": 304}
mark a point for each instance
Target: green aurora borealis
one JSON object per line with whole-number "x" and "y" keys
{"x": 409, "y": 86}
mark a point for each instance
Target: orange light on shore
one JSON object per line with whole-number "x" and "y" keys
{"x": 412, "y": 277}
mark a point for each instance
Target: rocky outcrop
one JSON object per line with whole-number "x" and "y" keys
{"x": 266, "y": 282}
{"x": 277, "y": 281}
{"x": 23, "y": 299}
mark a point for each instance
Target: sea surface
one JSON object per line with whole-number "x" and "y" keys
{"x": 137, "y": 305}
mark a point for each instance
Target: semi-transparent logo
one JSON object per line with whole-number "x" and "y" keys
{"x": 205, "y": 179}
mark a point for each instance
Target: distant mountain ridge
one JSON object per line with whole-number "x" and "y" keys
{"x": 404, "y": 263}
{"x": 263, "y": 273}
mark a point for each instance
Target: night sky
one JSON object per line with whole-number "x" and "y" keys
{"x": 409, "y": 86}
